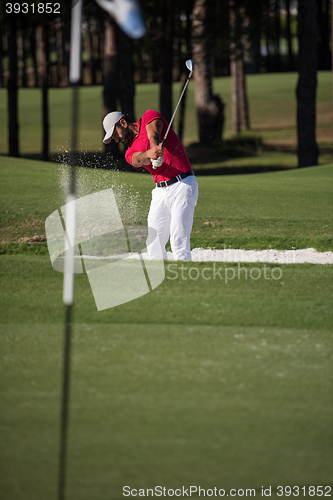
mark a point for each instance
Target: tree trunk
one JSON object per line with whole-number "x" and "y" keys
{"x": 188, "y": 31}
{"x": 254, "y": 64}
{"x": 277, "y": 30}
{"x": 59, "y": 44}
{"x": 66, "y": 45}
{"x": 110, "y": 78}
{"x": 97, "y": 52}
{"x": 268, "y": 38}
{"x": 13, "y": 125}
{"x": 289, "y": 38}
{"x": 92, "y": 57}
{"x": 21, "y": 55}
{"x": 239, "y": 103}
{"x": 126, "y": 74}
{"x": 324, "y": 59}
{"x": 166, "y": 59}
{"x": 101, "y": 47}
{"x": 143, "y": 68}
{"x": 46, "y": 74}
{"x": 33, "y": 50}
{"x": 1, "y": 66}
{"x": 88, "y": 50}
{"x": 210, "y": 109}
{"x": 307, "y": 84}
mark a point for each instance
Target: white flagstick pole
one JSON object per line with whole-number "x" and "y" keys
{"x": 129, "y": 17}
{"x": 68, "y": 293}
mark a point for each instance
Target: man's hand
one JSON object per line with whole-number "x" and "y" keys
{"x": 157, "y": 163}
{"x": 155, "y": 153}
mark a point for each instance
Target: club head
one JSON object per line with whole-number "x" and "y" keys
{"x": 189, "y": 65}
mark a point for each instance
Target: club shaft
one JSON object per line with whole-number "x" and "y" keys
{"x": 175, "y": 111}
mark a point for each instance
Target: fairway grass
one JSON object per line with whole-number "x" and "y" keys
{"x": 281, "y": 210}
{"x": 267, "y": 295}
{"x": 272, "y": 111}
{"x": 219, "y": 377}
{"x": 169, "y": 405}
{"x": 215, "y": 383}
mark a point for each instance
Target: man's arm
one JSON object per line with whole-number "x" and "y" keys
{"x": 155, "y": 151}
{"x": 154, "y": 130}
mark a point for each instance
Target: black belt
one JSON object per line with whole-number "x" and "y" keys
{"x": 174, "y": 179}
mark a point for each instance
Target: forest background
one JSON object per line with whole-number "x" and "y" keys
{"x": 228, "y": 38}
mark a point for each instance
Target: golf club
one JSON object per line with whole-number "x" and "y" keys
{"x": 189, "y": 65}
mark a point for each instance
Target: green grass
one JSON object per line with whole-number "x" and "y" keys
{"x": 155, "y": 405}
{"x": 272, "y": 105}
{"x": 221, "y": 300}
{"x": 208, "y": 383}
{"x": 282, "y": 210}
{"x": 31, "y": 190}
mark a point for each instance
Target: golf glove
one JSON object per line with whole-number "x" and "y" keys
{"x": 157, "y": 163}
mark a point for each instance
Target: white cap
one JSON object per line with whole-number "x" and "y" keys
{"x": 109, "y": 122}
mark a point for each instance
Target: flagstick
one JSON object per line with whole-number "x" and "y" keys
{"x": 68, "y": 294}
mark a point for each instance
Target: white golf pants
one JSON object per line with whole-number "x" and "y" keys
{"x": 171, "y": 216}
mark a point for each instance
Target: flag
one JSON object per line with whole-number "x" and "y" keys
{"x": 127, "y": 14}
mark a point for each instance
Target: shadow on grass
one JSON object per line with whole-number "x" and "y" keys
{"x": 97, "y": 161}
{"x": 246, "y": 147}
{"x": 237, "y": 170}
{"x": 205, "y": 159}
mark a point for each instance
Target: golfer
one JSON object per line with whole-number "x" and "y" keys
{"x": 176, "y": 192}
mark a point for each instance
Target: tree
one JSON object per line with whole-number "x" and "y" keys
{"x": 324, "y": 56}
{"x": 45, "y": 58}
{"x": 1, "y": 66}
{"x": 210, "y": 109}
{"x": 183, "y": 70}
{"x": 289, "y": 38}
{"x": 13, "y": 125}
{"x": 33, "y": 52}
{"x": 22, "y": 54}
{"x": 110, "y": 78}
{"x": 277, "y": 29}
{"x": 126, "y": 74}
{"x": 166, "y": 58}
{"x": 238, "y": 43}
{"x": 307, "y": 84}
{"x": 59, "y": 49}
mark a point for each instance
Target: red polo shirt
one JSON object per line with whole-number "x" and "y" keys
{"x": 175, "y": 159}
